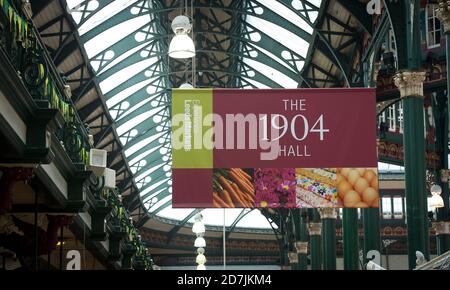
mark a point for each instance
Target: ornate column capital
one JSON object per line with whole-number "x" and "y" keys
{"x": 293, "y": 257}
{"x": 301, "y": 247}
{"x": 315, "y": 229}
{"x": 327, "y": 213}
{"x": 442, "y": 228}
{"x": 410, "y": 83}
{"x": 443, "y": 14}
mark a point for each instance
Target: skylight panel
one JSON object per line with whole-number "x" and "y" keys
{"x": 121, "y": 76}
{"x": 113, "y": 35}
{"x": 278, "y": 77}
{"x": 114, "y": 100}
{"x": 214, "y": 216}
{"x": 142, "y": 143}
{"x": 287, "y": 14}
{"x": 149, "y": 171}
{"x": 175, "y": 213}
{"x": 256, "y": 83}
{"x": 273, "y": 56}
{"x": 123, "y": 57}
{"x": 160, "y": 203}
{"x": 106, "y": 13}
{"x": 254, "y": 219}
{"x": 133, "y": 122}
{"x": 287, "y": 38}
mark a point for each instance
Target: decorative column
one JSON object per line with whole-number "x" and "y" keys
{"x": 296, "y": 225}
{"x": 410, "y": 84}
{"x": 443, "y": 239}
{"x": 350, "y": 238}
{"x": 301, "y": 235}
{"x": 372, "y": 236}
{"x": 328, "y": 216}
{"x": 293, "y": 260}
{"x": 315, "y": 230}
{"x": 302, "y": 252}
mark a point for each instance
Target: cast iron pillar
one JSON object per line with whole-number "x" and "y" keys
{"x": 301, "y": 245}
{"x": 350, "y": 238}
{"x": 443, "y": 225}
{"x": 293, "y": 260}
{"x": 372, "y": 236}
{"x": 410, "y": 84}
{"x": 315, "y": 230}
{"x": 328, "y": 216}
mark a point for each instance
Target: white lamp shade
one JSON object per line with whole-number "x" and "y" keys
{"x": 200, "y": 242}
{"x": 201, "y": 259}
{"x": 435, "y": 189}
{"x": 436, "y": 201}
{"x": 201, "y": 267}
{"x": 186, "y": 86}
{"x": 181, "y": 46}
{"x": 198, "y": 228}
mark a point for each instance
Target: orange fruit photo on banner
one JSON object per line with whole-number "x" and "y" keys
{"x": 357, "y": 187}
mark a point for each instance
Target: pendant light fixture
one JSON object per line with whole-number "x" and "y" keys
{"x": 182, "y": 45}
{"x": 198, "y": 229}
{"x": 436, "y": 200}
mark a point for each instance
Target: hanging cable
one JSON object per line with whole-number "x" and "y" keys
{"x": 224, "y": 248}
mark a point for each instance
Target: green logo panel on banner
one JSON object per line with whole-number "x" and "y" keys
{"x": 192, "y": 130}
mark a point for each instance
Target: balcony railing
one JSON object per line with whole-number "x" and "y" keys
{"x": 120, "y": 220}
{"x": 26, "y": 51}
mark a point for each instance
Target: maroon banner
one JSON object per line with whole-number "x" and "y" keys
{"x": 348, "y": 123}
{"x": 290, "y": 148}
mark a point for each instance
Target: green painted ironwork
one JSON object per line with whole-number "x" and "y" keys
{"x": 27, "y": 52}
{"x": 315, "y": 242}
{"x": 350, "y": 238}
{"x": 329, "y": 243}
{"x": 372, "y": 235}
{"x": 303, "y": 237}
{"x": 405, "y": 19}
{"x": 121, "y": 222}
{"x": 442, "y": 129}
{"x": 225, "y": 40}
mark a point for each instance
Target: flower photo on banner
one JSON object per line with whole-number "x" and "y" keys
{"x": 275, "y": 187}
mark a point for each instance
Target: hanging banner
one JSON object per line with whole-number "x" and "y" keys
{"x": 272, "y": 148}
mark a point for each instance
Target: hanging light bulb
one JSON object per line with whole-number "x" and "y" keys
{"x": 181, "y": 46}
{"x": 436, "y": 200}
{"x": 200, "y": 242}
{"x": 201, "y": 267}
{"x": 198, "y": 229}
{"x": 186, "y": 86}
{"x": 201, "y": 259}
{"x": 436, "y": 189}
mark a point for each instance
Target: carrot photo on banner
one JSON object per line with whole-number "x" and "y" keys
{"x": 233, "y": 187}
{"x": 275, "y": 187}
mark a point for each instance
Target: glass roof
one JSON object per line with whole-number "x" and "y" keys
{"x": 244, "y": 44}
